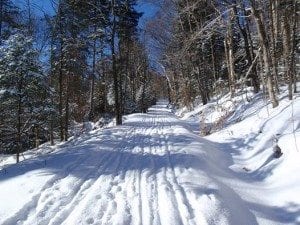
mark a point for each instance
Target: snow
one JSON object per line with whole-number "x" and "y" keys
{"x": 269, "y": 186}
{"x": 156, "y": 170}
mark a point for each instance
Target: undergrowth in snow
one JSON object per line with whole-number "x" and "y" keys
{"x": 248, "y": 129}
{"x": 77, "y": 132}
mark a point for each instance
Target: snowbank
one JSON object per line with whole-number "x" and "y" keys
{"x": 247, "y": 128}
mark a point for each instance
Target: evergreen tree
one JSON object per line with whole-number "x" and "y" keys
{"x": 24, "y": 93}
{"x": 8, "y": 18}
{"x": 124, "y": 24}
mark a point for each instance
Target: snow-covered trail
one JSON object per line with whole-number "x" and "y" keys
{"x": 150, "y": 171}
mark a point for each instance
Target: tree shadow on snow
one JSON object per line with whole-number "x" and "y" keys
{"x": 280, "y": 215}
{"x": 233, "y": 147}
{"x": 137, "y": 152}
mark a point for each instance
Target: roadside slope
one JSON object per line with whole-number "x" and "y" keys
{"x": 245, "y": 128}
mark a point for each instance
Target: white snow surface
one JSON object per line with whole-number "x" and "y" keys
{"x": 245, "y": 133}
{"x": 155, "y": 170}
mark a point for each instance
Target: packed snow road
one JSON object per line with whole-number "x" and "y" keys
{"x": 150, "y": 171}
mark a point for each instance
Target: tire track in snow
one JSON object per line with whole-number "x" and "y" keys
{"x": 55, "y": 193}
{"x": 106, "y": 169}
{"x": 185, "y": 208}
{"x": 146, "y": 172}
{"x": 70, "y": 201}
{"x": 28, "y": 208}
{"x": 167, "y": 210}
{"x": 139, "y": 186}
{"x": 168, "y": 200}
{"x": 79, "y": 194}
{"x": 154, "y": 189}
{"x": 111, "y": 208}
{"x": 181, "y": 202}
{"x": 108, "y": 209}
{"x": 138, "y": 173}
{"x": 154, "y": 206}
{"x": 136, "y": 180}
{"x": 102, "y": 195}
{"x": 61, "y": 217}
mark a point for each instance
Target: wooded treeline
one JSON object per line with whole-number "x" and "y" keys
{"x": 82, "y": 62}
{"x": 87, "y": 59}
{"x": 212, "y": 47}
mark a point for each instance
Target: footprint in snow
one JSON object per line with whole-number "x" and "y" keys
{"x": 50, "y": 203}
{"x": 98, "y": 196}
{"x": 110, "y": 196}
{"x": 90, "y": 221}
{"x": 118, "y": 189}
{"x": 167, "y": 189}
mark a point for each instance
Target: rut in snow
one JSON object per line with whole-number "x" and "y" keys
{"x": 138, "y": 173}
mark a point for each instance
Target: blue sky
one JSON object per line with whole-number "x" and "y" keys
{"x": 37, "y": 4}
{"x": 148, "y": 10}
{"x": 45, "y": 5}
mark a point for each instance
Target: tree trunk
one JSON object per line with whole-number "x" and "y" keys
{"x": 248, "y": 47}
{"x": 273, "y": 30}
{"x": 66, "y": 127}
{"x": 294, "y": 34}
{"x": 287, "y": 53}
{"x": 51, "y": 132}
{"x": 114, "y": 67}
{"x": 288, "y": 27}
{"x": 266, "y": 52}
{"x": 37, "y": 140}
{"x": 60, "y": 93}
{"x": 92, "y": 88}
{"x": 1, "y": 18}
{"x": 213, "y": 58}
{"x": 19, "y": 119}
{"x": 230, "y": 54}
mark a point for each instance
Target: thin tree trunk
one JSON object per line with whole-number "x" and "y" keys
{"x": 287, "y": 53}
{"x": 51, "y": 132}
{"x": 294, "y": 34}
{"x": 66, "y": 127}
{"x": 248, "y": 47}
{"x": 60, "y": 78}
{"x": 30, "y": 20}
{"x": 91, "y": 113}
{"x": 288, "y": 44}
{"x": 213, "y": 58}
{"x": 266, "y": 53}
{"x": 60, "y": 93}
{"x": 230, "y": 81}
{"x": 51, "y": 83}
{"x": 19, "y": 131}
{"x": 1, "y": 18}
{"x": 19, "y": 119}
{"x": 273, "y": 11}
{"x": 230, "y": 54}
{"x": 114, "y": 67}
{"x": 37, "y": 140}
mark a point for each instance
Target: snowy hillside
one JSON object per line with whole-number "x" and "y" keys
{"x": 247, "y": 131}
{"x": 155, "y": 170}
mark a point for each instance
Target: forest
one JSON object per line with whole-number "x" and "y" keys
{"x": 149, "y": 112}
{"x": 83, "y": 60}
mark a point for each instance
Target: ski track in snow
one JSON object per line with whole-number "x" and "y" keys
{"x": 125, "y": 175}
